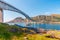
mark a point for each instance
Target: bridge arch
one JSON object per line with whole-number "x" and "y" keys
{"x": 6, "y": 6}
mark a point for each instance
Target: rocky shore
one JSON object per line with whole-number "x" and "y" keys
{"x": 50, "y": 33}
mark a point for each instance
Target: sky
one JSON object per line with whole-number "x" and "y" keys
{"x": 32, "y": 8}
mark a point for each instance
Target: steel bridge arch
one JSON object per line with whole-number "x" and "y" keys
{"x": 6, "y": 6}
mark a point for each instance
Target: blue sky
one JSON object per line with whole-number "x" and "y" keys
{"x": 32, "y": 8}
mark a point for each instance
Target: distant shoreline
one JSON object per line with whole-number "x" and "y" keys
{"x": 54, "y": 22}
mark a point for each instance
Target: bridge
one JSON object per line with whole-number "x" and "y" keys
{"x": 6, "y": 6}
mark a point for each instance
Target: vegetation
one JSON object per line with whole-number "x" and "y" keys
{"x": 13, "y": 32}
{"x": 7, "y": 31}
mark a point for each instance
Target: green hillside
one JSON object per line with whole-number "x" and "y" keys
{"x": 13, "y": 32}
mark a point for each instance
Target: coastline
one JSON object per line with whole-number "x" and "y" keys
{"x": 54, "y": 22}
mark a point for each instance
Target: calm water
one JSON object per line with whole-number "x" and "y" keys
{"x": 47, "y": 26}
{"x": 44, "y": 26}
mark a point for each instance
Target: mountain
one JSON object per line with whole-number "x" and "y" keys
{"x": 18, "y": 19}
{"x": 40, "y": 18}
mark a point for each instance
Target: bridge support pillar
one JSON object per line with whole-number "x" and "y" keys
{"x": 1, "y": 16}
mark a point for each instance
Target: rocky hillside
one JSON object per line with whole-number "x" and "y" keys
{"x": 18, "y": 19}
{"x": 40, "y": 18}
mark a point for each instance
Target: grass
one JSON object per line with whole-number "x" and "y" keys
{"x": 12, "y": 32}
{"x": 39, "y": 37}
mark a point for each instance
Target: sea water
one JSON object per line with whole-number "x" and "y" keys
{"x": 44, "y": 26}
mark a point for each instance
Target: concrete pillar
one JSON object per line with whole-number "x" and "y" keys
{"x": 1, "y": 15}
